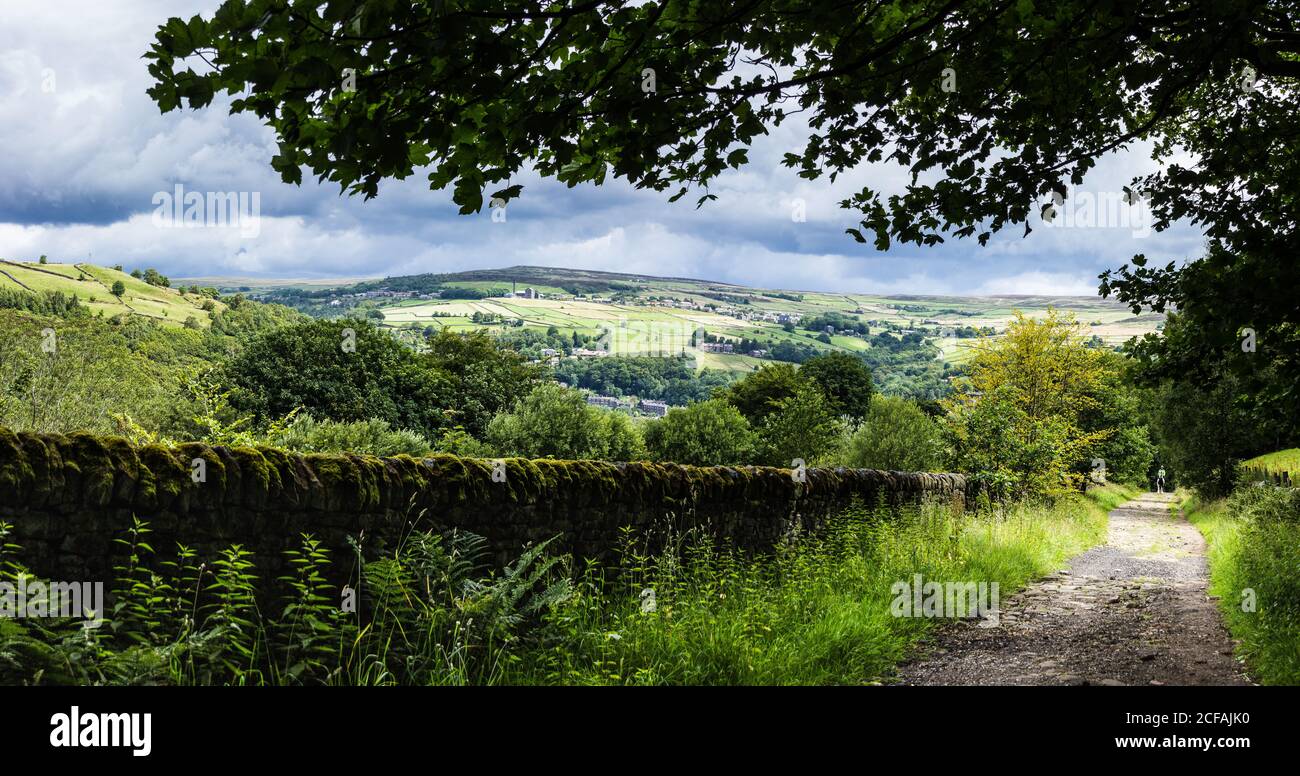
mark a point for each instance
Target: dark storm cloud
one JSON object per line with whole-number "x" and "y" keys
{"x": 87, "y": 152}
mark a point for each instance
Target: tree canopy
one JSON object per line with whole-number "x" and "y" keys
{"x": 897, "y": 435}
{"x": 995, "y": 109}
{"x": 845, "y": 380}
{"x": 759, "y": 393}
{"x": 345, "y": 370}
{"x": 554, "y": 421}
{"x": 487, "y": 378}
{"x": 669, "y": 94}
{"x": 1038, "y": 408}
{"x": 705, "y": 433}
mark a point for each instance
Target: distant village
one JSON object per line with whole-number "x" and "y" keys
{"x": 338, "y": 301}
{"x": 629, "y": 404}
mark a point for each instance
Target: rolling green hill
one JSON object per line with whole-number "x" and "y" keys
{"x": 588, "y": 301}
{"x": 912, "y": 343}
{"x": 631, "y": 314}
{"x": 92, "y": 285}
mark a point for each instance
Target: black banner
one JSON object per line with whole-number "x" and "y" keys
{"x": 147, "y": 726}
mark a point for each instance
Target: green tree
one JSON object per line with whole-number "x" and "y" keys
{"x": 554, "y": 421}
{"x": 758, "y": 393}
{"x": 1128, "y": 452}
{"x": 1213, "y": 340}
{"x": 155, "y": 278}
{"x": 800, "y": 426}
{"x": 119, "y": 288}
{"x": 59, "y": 376}
{"x": 896, "y": 435}
{"x": 706, "y": 433}
{"x": 1205, "y": 431}
{"x": 343, "y": 370}
{"x": 1018, "y": 420}
{"x": 487, "y": 378}
{"x": 845, "y": 381}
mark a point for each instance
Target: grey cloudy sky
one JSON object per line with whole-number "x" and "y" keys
{"x": 85, "y": 151}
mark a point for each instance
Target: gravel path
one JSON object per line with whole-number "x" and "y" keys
{"x": 1133, "y": 611}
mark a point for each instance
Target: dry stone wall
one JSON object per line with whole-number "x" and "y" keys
{"x": 69, "y": 497}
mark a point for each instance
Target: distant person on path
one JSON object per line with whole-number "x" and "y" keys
{"x": 1160, "y": 480}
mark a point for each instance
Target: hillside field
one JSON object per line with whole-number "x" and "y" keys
{"x": 92, "y": 285}
{"x": 649, "y": 314}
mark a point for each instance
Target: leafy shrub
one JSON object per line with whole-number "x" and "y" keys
{"x": 801, "y": 426}
{"x": 342, "y": 370}
{"x": 554, "y": 421}
{"x": 429, "y": 613}
{"x": 845, "y": 380}
{"x": 92, "y": 373}
{"x": 374, "y": 437}
{"x": 1254, "y": 540}
{"x": 459, "y": 442}
{"x": 896, "y": 435}
{"x": 707, "y": 433}
{"x": 486, "y": 377}
{"x": 758, "y": 393}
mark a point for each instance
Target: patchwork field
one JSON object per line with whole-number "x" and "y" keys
{"x": 659, "y": 314}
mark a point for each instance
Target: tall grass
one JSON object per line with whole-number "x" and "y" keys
{"x": 1111, "y": 495}
{"x": 815, "y": 611}
{"x": 1276, "y": 465}
{"x": 1254, "y": 539}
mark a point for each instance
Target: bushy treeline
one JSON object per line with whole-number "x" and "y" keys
{"x": 673, "y": 380}
{"x": 837, "y": 321}
{"x": 467, "y": 394}
{"x": 63, "y": 370}
{"x": 43, "y": 303}
{"x": 1037, "y": 413}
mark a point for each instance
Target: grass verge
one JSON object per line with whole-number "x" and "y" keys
{"x": 819, "y": 610}
{"x": 1254, "y": 539}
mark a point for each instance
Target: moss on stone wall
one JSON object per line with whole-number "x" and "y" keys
{"x": 53, "y": 487}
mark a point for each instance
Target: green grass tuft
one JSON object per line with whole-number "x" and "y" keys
{"x": 1254, "y": 539}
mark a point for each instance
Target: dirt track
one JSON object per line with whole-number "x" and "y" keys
{"x": 1132, "y": 611}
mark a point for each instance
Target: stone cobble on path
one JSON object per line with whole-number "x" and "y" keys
{"x": 1132, "y": 611}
